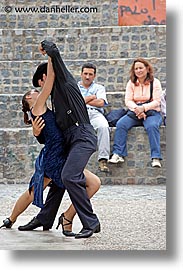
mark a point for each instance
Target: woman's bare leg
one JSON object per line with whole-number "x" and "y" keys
{"x": 24, "y": 201}
{"x": 92, "y": 186}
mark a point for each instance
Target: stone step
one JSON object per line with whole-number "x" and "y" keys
{"x": 96, "y": 43}
{"x": 11, "y": 115}
{"x": 19, "y": 149}
{"x": 16, "y": 76}
{"x": 137, "y": 166}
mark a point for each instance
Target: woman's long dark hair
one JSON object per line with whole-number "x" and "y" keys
{"x": 150, "y": 73}
{"x": 26, "y": 107}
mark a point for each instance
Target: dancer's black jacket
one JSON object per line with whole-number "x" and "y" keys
{"x": 67, "y": 100}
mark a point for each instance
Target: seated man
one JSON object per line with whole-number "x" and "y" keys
{"x": 95, "y": 98}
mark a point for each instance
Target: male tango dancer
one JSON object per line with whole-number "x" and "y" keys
{"x": 80, "y": 140}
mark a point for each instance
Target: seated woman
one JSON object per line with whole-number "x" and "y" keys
{"x": 143, "y": 111}
{"x": 51, "y": 159}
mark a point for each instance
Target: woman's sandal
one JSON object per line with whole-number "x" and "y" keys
{"x": 7, "y": 223}
{"x": 67, "y": 233}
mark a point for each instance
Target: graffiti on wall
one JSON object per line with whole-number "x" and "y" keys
{"x": 141, "y": 12}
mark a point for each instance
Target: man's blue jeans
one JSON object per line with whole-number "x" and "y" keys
{"x": 151, "y": 124}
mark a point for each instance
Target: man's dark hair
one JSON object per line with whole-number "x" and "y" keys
{"x": 41, "y": 69}
{"x": 89, "y": 66}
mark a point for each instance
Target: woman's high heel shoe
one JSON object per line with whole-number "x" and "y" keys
{"x": 67, "y": 233}
{"x": 7, "y": 223}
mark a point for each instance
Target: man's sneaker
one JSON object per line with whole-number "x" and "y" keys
{"x": 103, "y": 165}
{"x": 116, "y": 159}
{"x": 156, "y": 163}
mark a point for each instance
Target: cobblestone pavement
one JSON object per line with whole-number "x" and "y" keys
{"x": 132, "y": 218}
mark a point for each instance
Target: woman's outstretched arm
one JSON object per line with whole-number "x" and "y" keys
{"x": 46, "y": 91}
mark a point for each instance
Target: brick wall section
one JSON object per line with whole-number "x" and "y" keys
{"x": 94, "y": 37}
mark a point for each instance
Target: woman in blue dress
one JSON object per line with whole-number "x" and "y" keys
{"x": 49, "y": 163}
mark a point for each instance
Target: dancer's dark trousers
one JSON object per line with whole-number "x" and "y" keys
{"x": 48, "y": 213}
{"x": 82, "y": 143}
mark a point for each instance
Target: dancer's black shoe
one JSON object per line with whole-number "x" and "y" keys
{"x": 33, "y": 224}
{"x": 7, "y": 223}
{"x": 67, "y": 233}
{"x": 86, "y": 233}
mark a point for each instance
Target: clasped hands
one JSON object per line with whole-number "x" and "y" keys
{"x": 41, "y": 50}
{"x": 139, "y": 111}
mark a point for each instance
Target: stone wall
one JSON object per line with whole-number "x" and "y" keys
{"x": 90, "y": 36}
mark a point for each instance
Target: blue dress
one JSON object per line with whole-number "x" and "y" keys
{"x": 51, "y": 159}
